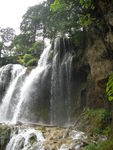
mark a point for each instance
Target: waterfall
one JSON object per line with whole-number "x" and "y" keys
{"x": 16, "y": 73}
{"x": 45, "y": 94}
{"x": 29, "y": 86}
{"x": 61, "y": 83}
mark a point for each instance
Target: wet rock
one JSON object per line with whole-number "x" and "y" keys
{"x": 32, "y": 138}
{"x": 77, "y": 135}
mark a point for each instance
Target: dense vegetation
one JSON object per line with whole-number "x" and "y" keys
{"x": 49, "y": 19}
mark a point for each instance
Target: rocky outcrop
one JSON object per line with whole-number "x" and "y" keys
{"x": 99, "y": 54}
{"x": 100, "y": 69}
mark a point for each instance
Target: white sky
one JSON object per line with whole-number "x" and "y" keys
{"x": 11, "y": 12}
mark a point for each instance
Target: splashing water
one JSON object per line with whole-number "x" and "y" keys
{"x": 25, "y": 139}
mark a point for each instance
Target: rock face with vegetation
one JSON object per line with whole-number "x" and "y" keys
{"x": 99, "y": 55}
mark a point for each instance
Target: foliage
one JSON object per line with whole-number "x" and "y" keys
{"x": 87, "y": 17}
{"x": 6, "y": 36}
{"x": 107, "y": 145}
{"x": 87, "y": 4}
{"x": 50, "y": 19}
{"x": 20, "y": 44}
{"x": 36, "y": 49}
{"x": 58, "y": 5}
{"x": 27, "y": 57}
{"x": 91, "y": 147}
{"x": 28, "y": 60}
{"x": 109, "y": 88}
{"x": 99, "y": 119}
{"x": 33, "y": 23}
{"x": 107, "y": 130}
{"x": 73, "y": 14}
{"x": 66, "y": 14}
{"x": 32, "y": 62}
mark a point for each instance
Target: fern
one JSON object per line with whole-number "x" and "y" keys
{"x": 109, "y": 88}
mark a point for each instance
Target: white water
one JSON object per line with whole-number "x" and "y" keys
{"x": 17, "y": 72}
{"x": 26, "y": 139}
{"x": 28, "y": 83}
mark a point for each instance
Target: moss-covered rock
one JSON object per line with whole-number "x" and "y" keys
{"x": 4, "y": 136}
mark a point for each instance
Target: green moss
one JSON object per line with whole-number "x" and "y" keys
{"x": 4, "y": 136}
{"x": 42, "y": 129}
{"x": 32, "y": 139}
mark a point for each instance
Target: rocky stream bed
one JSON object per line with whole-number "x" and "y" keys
{"x": 38, "y": 137}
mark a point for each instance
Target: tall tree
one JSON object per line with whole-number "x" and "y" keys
{"x": 7, "y": 36}
{"x": 20, "y": 44}
{"x": 33, "y": 23}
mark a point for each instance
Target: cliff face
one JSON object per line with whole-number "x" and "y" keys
{"x": 100, "y": 69}
{"x": 99, "y": 55}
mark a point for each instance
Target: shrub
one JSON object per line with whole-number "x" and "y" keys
{"x": 91, "y": 147}
{"x": 32, "y": 62}
{"x": 26, "y": 58}
{"x": 107, "y": 145}
{"x": 99, "y": 119}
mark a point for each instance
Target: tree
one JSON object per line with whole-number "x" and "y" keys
{"x": 63, "y": 18}
{"x": 36, "y": 49}
{"x": 20, "y": 44}
{"x": 33, "y": 23}
{"x": 7, "y": 36}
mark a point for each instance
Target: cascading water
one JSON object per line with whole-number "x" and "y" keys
{"x": 61, "y": 84}
{"x": 25, "y": 139}
{"x": 17, "y": 72}
{"x": 44, "y": 96}
{"x": 28, "y": 88}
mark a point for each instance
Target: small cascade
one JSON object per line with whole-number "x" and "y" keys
{"x": 28, "y": 89}
{"x": 17, "y": 72}
{"x": 25, "y": 139}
